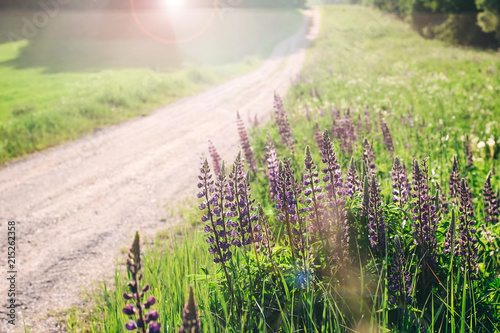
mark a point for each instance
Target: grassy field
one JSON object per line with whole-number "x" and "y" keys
{"x": 432, "y": 96}
{"x": 81, "y": 72}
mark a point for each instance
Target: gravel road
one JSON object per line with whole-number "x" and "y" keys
{"x": 76, "y": 205}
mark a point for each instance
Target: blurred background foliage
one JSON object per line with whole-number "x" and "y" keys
{"x": 463, "y": 22}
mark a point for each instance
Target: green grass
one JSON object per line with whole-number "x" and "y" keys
{"x": 65, "y": 83}
{"x": 361, "y": 58}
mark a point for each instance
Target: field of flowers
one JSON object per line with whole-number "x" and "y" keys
{"x": 368, "y": 204}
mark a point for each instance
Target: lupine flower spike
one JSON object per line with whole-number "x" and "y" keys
{"x": 468, "y": 152}
{"x": 352, "y": 182}
{"x": 314, "y": 196}
{"x": 190, "y": 321}
{"x": 319, "y": 137}
{"x": 245, "y": 144}
{"x": 272, "y": 167}
{"x": 376, "y": 219}
{"x": 215, "y": 216}
{"x": 424, "y": 211}
{"x": 454, "y": 179}
{"x": 216, "y": 160}
{"x": 266, "y": 245}
{"x": 386, "y": 135}
{"x": 400, "y": 281}
{"x": 368, "y": 157}
{"x": 283, "y": 124}
{"x": 467, "y": 248}
{"x": 146, "y": 321}
{"x": 490, "y": 202}
{"x": 400, "y": 190}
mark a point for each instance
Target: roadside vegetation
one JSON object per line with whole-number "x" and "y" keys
{"x": 66, "y": 81}
{"x": 368, "y": 204}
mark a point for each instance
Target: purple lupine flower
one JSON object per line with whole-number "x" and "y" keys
{"x": 376, "y": 219}
{"x": 368, "y": 123}
{"x": 266, "y": 244}
{"x": 451, "y": 235}
{"x": 359, "y": 126}
{"x": 314, "y": 195}
{"x": 467, "y": 248}
{"x": 308, "y": 114}
{"x": 190, "y": 321}
{"x": 335, "y": 201}
{"x": 425, "y": 219}
{"x": 468, "y": 152}
{"x": 352, "y": 183}
{"x": 319, "y": 137}
{"x": 386, "y": 135}
{"x": 454, "y": 179}
{"x": 490, "y": 202}
{"x": 216, "y": 160}
{"x": 365, "y": 205}
{"x": 245, "y": 144}
{"x": 283, "y": 124}
{"x": 215, "y": 205}
{"x": 272, "y": 167}
{"x": 335, "y": 114}
{"x": 411, "y": 123}
{"x": 400, "y": 186}
{"x": 136, "y": 292}
{"x": 369, "y": 157}
{"x": 399, "y": 279}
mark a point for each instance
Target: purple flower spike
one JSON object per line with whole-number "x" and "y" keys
{"x": 466, "y": 248}
{"x": 400, "y": 281}
{"x": 386, "y": 135}
{"x": 190, "y": 321}
{"x": 451, "y": 234}
{"x": 490, "y": 202}
{"x": 376, "y": 221}
{"x": 352, "y": 184}
{"x": 283, "y": 124}
{"x": 245, "y": 144}
{"x": 399, "y": 183}
{"x": 272, "y": 167}
{"x": 216, "y": 160}
{"x": 455, "y": 180}
{"x": 369, "y": 157}
{"x": 425, "y": 218}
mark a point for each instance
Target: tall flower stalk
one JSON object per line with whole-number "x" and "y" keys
{"x": 399, "y": 279}
{"x": 272, "y": 167}
{"x": 369, "y": 157}
{"x": 215, "y": 217}
{"x": 190, "y": 321}
{"x": 454, "y": 183}
{"x": 283, "y": 124}
{"x": 145, "y": 322}
{"x": 386, "y": 135}
{"x": 467, "y": 248}
{"x": 216, "y": 159}
{"x": 400, "y": 186}
{"x": 490, "y": 202}
{"x": 376, "y": 219}
{"x": 424, "y": 211}
{"x": 245, "y": 144}
{"x": 352, "y": 183}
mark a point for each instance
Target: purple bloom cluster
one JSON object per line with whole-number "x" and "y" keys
{"x": 424, "y": 211}
{"x": 215, "y": 217}
{"x": 190, "y": 321}
{"x": 272, "y": 167}
{"x": 399, "y": 279}
{"x": 400, "y": 185}
{"x": 451, "y": 235}
{"x": 245, "y": 144}
{"x": 319, "y": 136}
{"x": 313, "y": 193}
{"x": 283, "y": 124}
{"x": 352, "y": 183}
{"x": 376, "y": 219}
{"x": 454, "y": 183}
{"x": 216, "y": 160}
{"x": 343, "y": 130}
{"x": 241, "y": 206}
{"x": 468, "y": 152}
{"x": 368, "y": 123}
{"x": 490, "y": 202}
{"x": 369, "y": 157}
{"x": 146, "y": 321}
{"x": 386, "y": 135}
{"x": 467, "y": 248}
{"x": 267, "y": 244}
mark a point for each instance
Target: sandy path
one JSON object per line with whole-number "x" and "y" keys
{"x": 79, "y": 203}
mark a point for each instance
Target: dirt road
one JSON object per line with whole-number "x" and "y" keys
{"x": 77, "y": 204}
